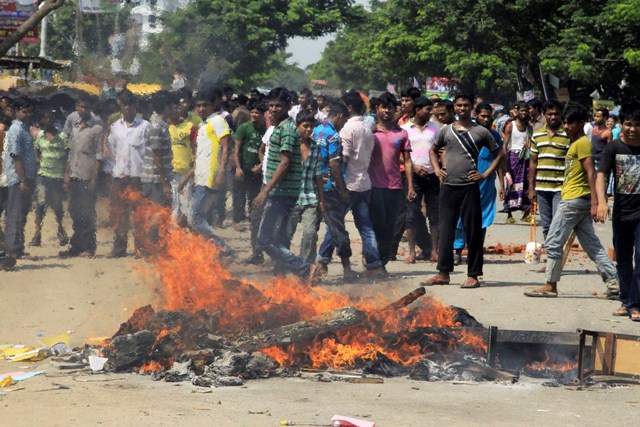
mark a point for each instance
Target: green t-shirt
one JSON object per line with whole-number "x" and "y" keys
{"x": 250, "y": 138}
{"x": 285, "y": 137}
{"x": 53, "y": 155}
{"x": 576, "y": 183}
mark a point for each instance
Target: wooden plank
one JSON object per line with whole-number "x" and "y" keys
{"x": 627, "y": 357}
{"x": 305, "y": 330}
{"x": 609, "y": 345}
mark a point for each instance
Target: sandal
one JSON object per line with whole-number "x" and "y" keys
{"x": 470, "y": 284}
{"x": 541, "y": 293}
{"x": 410, "y": 260}
{"x": 634, "y": 315}
{"x": 510, "y": 220}
{"x": 620, "y": 311}
{"x": 435, "y": 281}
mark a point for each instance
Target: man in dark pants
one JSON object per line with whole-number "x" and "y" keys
{"x": 83, "y": 166}
{"x": 387, "y": 193}
{"x": 460, "y": 192}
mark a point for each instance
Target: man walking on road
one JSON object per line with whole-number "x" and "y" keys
{"x": 577, "y": 210}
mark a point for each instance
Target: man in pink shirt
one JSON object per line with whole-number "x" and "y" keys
{"x": 384, "y": 171}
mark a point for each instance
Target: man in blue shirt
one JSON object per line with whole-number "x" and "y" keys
{"x": 336, "y": 195}
{"x": 20, "y": 167}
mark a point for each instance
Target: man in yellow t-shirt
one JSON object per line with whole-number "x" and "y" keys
{"x": 183, "y": 137}
{"x": 577, "y": 209}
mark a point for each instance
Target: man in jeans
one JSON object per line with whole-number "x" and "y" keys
{"x": 357, "y": 146}
{"x": 623, "y": 158}
{"x": 212, "y": 153}
{"x": 336, "y": 195}
{"x": 549, "y": 147}
{"x": 280, "y": 193}
{"x": 20, "y": 167}
{"x": 577, "y": 209}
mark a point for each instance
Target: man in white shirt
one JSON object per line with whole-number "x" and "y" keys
{"x": 126, "y": 149}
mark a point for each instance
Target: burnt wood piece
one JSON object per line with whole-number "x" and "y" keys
{"x": 137, "y": 322}
{"x": 305, "y": 330}
{"x": 406, "y": 300}
{"x": 490, "y": 373}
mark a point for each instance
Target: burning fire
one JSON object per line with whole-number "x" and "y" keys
{"x": 192, "y": 278}
{"x": 548, "y": 364}
{"x": 152, "y": 366}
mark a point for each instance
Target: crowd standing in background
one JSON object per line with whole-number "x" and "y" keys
{"x": 415, "y": 168}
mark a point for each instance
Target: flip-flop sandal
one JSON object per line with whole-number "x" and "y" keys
{"x": 410, "y": 260}
{"x": 538, "y": 293}
{"x": 620, "y": 311}
{"x": 434, "y": 281}
{"x": 470, "y": 284}
{"x": 634, "y": 315}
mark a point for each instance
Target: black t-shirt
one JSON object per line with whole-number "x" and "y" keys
{"x": 624, "y": 161}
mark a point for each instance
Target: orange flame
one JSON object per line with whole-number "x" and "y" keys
{"x": 152, "y": 366}
{"x": 551, "y": 365}
{"x": 192, "y": 278}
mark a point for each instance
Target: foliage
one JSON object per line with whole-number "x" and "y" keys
{"x": 487, "y": 44}
{"x": 238, "y": 42}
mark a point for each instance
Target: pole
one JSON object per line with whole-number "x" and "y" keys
{"x": 544, "y": 86}
{"x": 43, "y": 38}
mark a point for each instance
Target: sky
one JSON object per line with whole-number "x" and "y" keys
{"x": 308, "y": 51}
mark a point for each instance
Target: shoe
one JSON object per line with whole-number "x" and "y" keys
{"x": 526, "y": 219}
{"x": 255, "y": 259}
{"x": 510, "y": 220}
{"x": 63, "y": 239}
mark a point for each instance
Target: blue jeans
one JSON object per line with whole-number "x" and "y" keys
{"x": 336, "y": 235}
{"x": 547, "y": 206}
{"x": 202, "y": 207}
{"x": 626, "y": 241}
{"x": 274, "y": 236}
{"x": 360, "y": 211}
{"x": 575, "y": 215}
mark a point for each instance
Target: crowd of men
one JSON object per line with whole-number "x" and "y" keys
{"x": 418, "y": 168}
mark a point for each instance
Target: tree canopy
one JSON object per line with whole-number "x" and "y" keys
{"x": 493, "y": 46}
{"x": 239, "y": 41}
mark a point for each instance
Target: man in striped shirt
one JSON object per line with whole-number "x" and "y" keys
{"x": 283, "y": 183}
{"x": 549, "y": 147}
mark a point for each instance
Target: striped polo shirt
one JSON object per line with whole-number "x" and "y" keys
{"x": 551, "y": 153}
{"x": 285, "y": 137}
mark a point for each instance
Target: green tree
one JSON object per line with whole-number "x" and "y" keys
{"x": 237, "y": 42}
{"x": 494, "y": 47}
